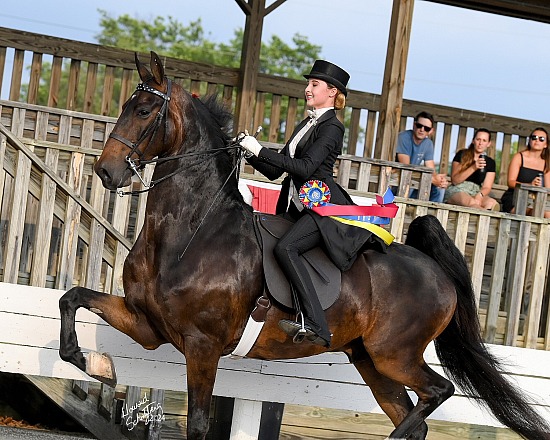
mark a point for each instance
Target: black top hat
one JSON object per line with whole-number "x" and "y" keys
{"x": 330, "y": 73}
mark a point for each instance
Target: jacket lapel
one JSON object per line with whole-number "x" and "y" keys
{"x": 303, "y": 142}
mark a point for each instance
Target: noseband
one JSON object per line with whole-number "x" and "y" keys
{"x": 151, "y": 129}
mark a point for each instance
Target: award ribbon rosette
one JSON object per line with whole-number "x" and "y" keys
{"x": 315, "y": 195}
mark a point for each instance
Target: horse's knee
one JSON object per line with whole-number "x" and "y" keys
{"x": 69, "y": 300}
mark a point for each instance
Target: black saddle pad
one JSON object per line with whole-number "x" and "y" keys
{"x": 325, "y": 275}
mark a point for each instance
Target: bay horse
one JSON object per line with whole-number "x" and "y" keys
{"x": 195, "y": 272}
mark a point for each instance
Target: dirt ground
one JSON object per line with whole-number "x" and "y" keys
{"x": 10, "y": 421}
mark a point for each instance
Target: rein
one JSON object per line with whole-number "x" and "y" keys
{"x": 150, "y": 185}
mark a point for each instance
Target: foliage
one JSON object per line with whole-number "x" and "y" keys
{"x": 168, "y": 37}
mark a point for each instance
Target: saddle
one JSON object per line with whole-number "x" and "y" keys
{"x": 325, "y": 275}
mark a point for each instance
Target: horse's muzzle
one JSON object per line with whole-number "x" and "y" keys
{"x": 113, "y": 177}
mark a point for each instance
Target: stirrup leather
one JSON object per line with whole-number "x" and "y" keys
{"x": 301, "y": 333}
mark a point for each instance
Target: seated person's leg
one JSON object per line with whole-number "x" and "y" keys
{"x": 490, "y": 203}
{"x": 437, "y": 194}
{"x": 463, "y": 199}
{"x": 300, "y": 238}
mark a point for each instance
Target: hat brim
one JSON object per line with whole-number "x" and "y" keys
{"x": 329, "y": 80}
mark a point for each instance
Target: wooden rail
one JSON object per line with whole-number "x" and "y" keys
{"x": 98, "y": 79}
{"x": 529, "y": 196}
{"x": 61, "y": 228}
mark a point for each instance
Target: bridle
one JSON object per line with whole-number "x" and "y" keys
{"x": 152, "y": 129}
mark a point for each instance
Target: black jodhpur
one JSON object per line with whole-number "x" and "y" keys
{"x": 301, "y": 237}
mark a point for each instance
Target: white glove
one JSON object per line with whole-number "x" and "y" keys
{"x": 251, "y": 144}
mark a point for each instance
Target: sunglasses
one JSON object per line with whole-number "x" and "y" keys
{"x": 535, "y": 137}
{"x": 420, "y": 127}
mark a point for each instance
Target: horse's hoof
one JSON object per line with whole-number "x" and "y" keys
{"x": 100, "y": 366}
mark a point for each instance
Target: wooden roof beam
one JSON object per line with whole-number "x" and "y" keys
{"x": 391, "y": 99}
{"x": 255, "y": 11}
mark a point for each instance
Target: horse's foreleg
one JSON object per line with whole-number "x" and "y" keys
{"x": 114, "y": 311}
{"x": 202, "y": 364}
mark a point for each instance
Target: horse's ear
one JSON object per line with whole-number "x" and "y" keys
{"x": 157, "y": 68}
{"x": 144, "y": 73}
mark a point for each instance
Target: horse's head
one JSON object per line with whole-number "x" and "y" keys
{"x": 143, "y": 130}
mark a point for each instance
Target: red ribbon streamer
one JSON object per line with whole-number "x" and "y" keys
{"x": 389, "y": 210}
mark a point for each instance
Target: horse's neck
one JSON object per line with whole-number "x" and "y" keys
{"x": 187, "y": 198}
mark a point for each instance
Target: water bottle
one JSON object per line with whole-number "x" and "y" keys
{"x": 482, "y": 156}
{"x": 541, "y": 176}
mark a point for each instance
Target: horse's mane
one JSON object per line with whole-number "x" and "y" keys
{"x": 218, "y": 122}
{"x": 221, "y": 119}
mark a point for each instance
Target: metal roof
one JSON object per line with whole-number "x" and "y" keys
{"x": 537, "y": 10}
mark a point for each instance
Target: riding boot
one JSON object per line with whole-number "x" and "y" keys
{"x": 302, "y": 237}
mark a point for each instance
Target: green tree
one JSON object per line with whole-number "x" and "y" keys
{"x": 165, "y": 36}
{"x": 168, "y": 37}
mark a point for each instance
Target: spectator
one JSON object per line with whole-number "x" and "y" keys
{"x": 530, "y": 166}
{"x": 414, "y": 147}
{"x": 473, "y": 175}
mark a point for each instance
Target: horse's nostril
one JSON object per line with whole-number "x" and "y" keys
{"x": 103, "y": 175}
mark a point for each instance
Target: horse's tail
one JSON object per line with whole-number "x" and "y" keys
{"x": 461, "y": 350}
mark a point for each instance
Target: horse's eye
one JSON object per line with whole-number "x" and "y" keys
{"x": 144, "y": 113}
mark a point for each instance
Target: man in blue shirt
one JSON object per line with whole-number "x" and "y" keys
{"x": 414, "y": 147}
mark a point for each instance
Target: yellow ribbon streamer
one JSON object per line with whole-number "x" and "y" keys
{"x": 375, "y": 229}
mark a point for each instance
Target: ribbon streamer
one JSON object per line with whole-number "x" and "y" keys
{"x": 315, "y": 195}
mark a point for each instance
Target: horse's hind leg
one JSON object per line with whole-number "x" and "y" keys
{"x": 391, "y": 396}
{"x": 114, "y": 311}
{"x": 431, "y": 388}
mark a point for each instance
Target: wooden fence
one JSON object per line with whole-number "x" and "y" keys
{"x": 60, "y": 227}
{"x": 86, "y": 77}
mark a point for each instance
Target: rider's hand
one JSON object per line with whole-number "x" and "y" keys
{"x": 251, "y": 144}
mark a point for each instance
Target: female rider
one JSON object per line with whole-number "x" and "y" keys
{"x": 310, "y": 154}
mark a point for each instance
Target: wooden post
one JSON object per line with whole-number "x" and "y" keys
{"x": 255, "y": 12}
{"x": 394, "y": 79}
{"x": 246, "y": 419}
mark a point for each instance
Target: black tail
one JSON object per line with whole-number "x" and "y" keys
{"x": 461, "y": 350}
